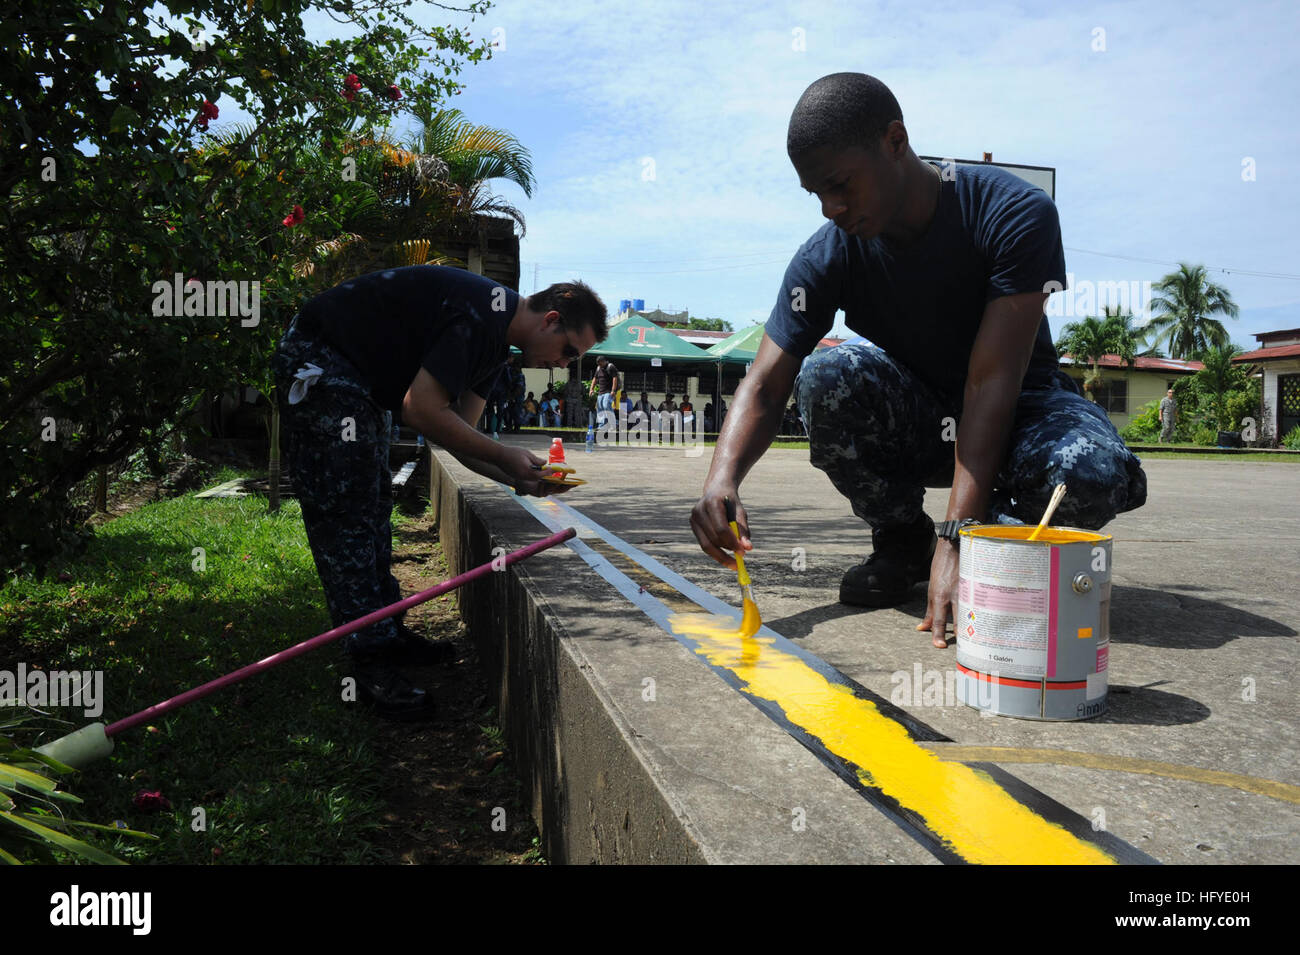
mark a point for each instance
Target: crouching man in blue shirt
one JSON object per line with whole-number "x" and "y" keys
{"x": 946, "y": 275}
{"x": 426, "y": 343}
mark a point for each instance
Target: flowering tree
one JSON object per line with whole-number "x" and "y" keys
{"x": 142, "y": 265}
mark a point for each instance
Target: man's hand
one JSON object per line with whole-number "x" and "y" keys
{"x": 521, "y": 466}
{"x": 941, "y": 604}
{"x": 713, "y": 531}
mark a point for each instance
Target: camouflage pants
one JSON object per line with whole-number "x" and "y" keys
{"x": 882, "y": 435}
{"x": 338, "y": 441}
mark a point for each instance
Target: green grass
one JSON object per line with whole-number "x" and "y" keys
{"x": 1261, "y": 457}
{"x": 282, "y": 768}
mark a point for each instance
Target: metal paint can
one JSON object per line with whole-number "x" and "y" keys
{"x": 1033, "y": 621}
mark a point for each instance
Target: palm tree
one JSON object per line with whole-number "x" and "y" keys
{"x": 1122, "y": 338}
{"x": 474, "y": 155}
{"x": 1182, "y": 309}
{"x": 1086, "y": 340}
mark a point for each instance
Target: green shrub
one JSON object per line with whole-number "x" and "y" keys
{"x": 1291, "y": 440}
{"x": 1205, "y": 435}
{"x": 1145, "y": 425}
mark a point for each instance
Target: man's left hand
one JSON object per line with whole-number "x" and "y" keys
{"x": 941, "y": 605}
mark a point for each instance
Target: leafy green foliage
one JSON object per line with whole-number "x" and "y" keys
{"x": 703, "y": 325}
{"x": 109, "y": 187}
{"x": 1291, "y": 440}
{"x": 34, "y": 820}
{"x": 1145, "y": 425}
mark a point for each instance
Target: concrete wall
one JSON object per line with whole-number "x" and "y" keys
{"x": 593, "y": 798}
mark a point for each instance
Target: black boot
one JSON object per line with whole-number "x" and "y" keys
{"x": 413, "y": 650}
{"x": 900, "y": 557}
{"x": 385, "y": 689}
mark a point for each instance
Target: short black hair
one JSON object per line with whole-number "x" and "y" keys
{"x": 578, "y": 305}
{"x": 841, "y": 110}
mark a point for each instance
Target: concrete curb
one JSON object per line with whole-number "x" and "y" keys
{"x": 696, "y": 774}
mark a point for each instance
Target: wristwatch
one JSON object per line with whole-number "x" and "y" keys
{"x": 949, "y": 530}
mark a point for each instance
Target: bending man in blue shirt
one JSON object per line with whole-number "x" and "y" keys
{"x": 428, "y": 344}
{"x": 947, "y": 277}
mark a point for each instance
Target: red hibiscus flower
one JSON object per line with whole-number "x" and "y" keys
{"x": 394, "y": 93}
{"x": 295, "y": 217}
{"x": 206, "y": 112}
{"x": 351, "y": 82}
{"x": 151, "y": 801}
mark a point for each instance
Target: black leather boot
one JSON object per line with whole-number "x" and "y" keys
{"x": 385, "y": 689}
{"x": 899, "y": 559}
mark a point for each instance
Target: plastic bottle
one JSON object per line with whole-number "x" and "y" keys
{"x": 591, "y": 439}
{"x": 556, "y": 454}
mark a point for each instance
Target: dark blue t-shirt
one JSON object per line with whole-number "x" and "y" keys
{"x": 993, "y": 234}
{"x": 392, "y": 323}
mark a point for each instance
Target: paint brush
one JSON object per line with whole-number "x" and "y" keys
{"x": 750, "y": 621}
{"x": 1051, "y": 509}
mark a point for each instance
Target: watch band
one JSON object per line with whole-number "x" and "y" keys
{"x": 948, "y": 530}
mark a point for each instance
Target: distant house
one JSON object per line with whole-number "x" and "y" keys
{"x": 1278, "y": 359}
{"x": 1125, "y": 391}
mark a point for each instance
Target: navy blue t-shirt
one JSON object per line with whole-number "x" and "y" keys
{"x": 992, "y": 234}
{"x": 392, "y": 323}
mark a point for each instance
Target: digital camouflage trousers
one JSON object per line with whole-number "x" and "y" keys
{"x": 338, "y": 441}
{"x": 882, "y": 436}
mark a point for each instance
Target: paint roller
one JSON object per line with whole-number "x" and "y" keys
{"x": 84, "y": 746}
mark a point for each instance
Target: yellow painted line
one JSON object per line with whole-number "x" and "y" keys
{"x": 954, "y": 752}
{"x": 975, "y": 816}
{"x": 966, "y": 808}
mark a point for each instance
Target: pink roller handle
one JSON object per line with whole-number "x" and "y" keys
{"x": 158, "y": 709}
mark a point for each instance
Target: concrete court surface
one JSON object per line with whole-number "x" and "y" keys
{"x": 1204, "y": 623}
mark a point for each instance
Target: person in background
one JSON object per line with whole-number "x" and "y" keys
{"x": 530, "y": 411}
{"x": 688, "y": 415}
{"x": 668, "y": 407}
{"x": 605, "y": 385}
{"x": 1168, "y": 416}
{"x": 708, "y": 417}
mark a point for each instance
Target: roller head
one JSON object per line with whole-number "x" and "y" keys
{"x": 81, "y": 748}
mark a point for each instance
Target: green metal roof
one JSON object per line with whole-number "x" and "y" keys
{"x": 640, "y": 339}
{"x": 741, "y": 346}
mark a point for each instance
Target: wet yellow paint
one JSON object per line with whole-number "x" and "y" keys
{"x": 978, "y": 819}
{"x": 1022, "y": 532}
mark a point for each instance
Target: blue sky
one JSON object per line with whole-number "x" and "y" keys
{"x": 1147, "y": 111}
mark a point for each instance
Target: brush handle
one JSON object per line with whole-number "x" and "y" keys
{"x": 730, "y": 506}
{"x": 158, "y": 709}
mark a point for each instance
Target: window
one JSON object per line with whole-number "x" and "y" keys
{"x": 636, "y": 382}
{"x": 1111, "y": 394}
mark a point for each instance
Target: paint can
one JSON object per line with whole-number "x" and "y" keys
{"x": 1033, "y": 621}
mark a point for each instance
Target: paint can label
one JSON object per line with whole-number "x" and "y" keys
{"x": 1002, "y": 606}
